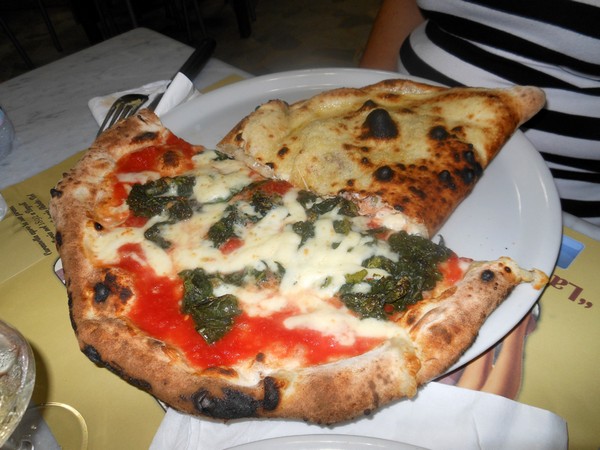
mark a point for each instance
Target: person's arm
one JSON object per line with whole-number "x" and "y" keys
{"x": 394, "y": 22}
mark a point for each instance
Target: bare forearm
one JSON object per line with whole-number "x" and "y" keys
{"x": 394, "y": 22}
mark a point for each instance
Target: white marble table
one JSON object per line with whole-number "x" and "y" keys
{"x": 49, "y": 105}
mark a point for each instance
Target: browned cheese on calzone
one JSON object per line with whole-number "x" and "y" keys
{"x": 407, "y": 152}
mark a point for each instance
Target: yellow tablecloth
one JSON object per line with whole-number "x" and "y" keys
{"x": 34, "y": 300}
{"x": 560, "y": 367}
{"x": 562, "y": 355}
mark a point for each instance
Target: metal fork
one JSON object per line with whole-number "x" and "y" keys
{"x": 123, "y": 107}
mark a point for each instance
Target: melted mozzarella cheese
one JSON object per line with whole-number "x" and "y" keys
{"x": 345, "y": 328}
{"x": 314, "y": 271}
{"x": 104, "y": 247}
{"x": 216, "y": 180}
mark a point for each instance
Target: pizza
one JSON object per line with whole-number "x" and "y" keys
{"x": 228, "y": 294}
{"x": 406, "y": 151}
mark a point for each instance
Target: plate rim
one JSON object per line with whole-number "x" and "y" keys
{"x": 338, "y": 439}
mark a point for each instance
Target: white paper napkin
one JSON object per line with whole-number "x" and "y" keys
{"x": 440, "y": 417}
{"x": 176, "y": 92}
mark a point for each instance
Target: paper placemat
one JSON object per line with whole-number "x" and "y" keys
{"x": 562, "y": 355}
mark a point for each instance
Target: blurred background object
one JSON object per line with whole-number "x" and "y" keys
{"x": 259, "y": 36}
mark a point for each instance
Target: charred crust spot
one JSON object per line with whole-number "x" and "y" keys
{"x": 380, "y": 125}
{"x": 418, "y": 192}
{"x": 92, "y": 354}
{"x": 283, "y": 151}
{"x": 58, "y": 237}
{"x": 471, "y": 159}
{"x": 369, "y": 104}
{"x": 70, "y": 305}
{"x": 110, "y": 285}
{"x": 399, "y": 208}
{"x": 507, "y": 269}
{"x": 125, "y": 294}
{"x": 137, "y": 382}
{"x": 98, "y": 226}
{"x": 467, "y": 175}
{"x": 146, "y": 136}
{"x": 384, "y": 173}
{"x": 410, "y": 320}
{"x": 271, "y": 165}
{"x": 487, "y": 275}
{"x": 365, "y": 161}
{"x": 260, "y": 357}
{"x": 101, "y": 292}
{"x": 55, "y": 193}
{"x": 350, "y": 183}
{"x": 446, "y": 179}
{"x": 170, "y": 158}
{"x": 232, "y": 405}
{"x": 238, "y": 137}
{"x": 272, "y": 397}
{"x": 438, "y": 133}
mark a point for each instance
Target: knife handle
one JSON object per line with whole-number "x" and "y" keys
{"x": 198, "y": 59}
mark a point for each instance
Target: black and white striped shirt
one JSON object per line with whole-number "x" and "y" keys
{"x": 551, "y": 44}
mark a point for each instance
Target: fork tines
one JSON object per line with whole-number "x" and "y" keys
{"x": 123, "y": 107}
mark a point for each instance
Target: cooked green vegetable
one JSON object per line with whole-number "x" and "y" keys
{"x": 342, "y": 226}
{"x": 346, "y": 207}
{"x": 170, "y": 195}
{"x": 167, "y": 193}
{"x": 220, "y": 156}
{"x": 224, "y": 229}
{"x": 304, "y": 229}
{"x": 254, "y": 276}
{"x": 306, "y": 198}
{"x": 385, "y": 291}
{"x": 415, "y": 271}
{"x": 213, "y": 316}
{"x": 263, "y": 203}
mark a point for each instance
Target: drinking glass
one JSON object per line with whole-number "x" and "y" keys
{"x": 17, "y": 378}
{"x": 25, "y": 425}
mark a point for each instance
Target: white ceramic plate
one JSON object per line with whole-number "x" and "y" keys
{"x": 513, "y": 211}
{"x": 326, "y": 442}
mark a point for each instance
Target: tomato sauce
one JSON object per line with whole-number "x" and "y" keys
{"x": 231, "y": 245}
{"x": 451, "y": 270}
{"x": 157, "y": 312}
{"x": 276, "y": 187}
{"x": 154, "y": 159}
